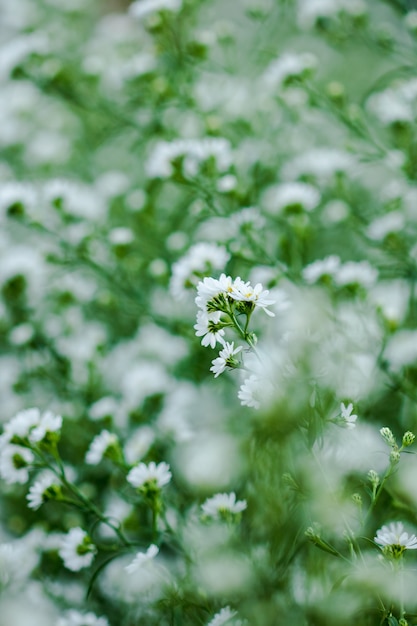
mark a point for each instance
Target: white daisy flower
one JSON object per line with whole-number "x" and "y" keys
{"x": 77, "y": 551}
{"x": 202, "y": 258}
{"x": 222, "y": 504}
{"x": 225, "y": 359}
{"x": 321, "y": 268}
{"x": 207, "y": 328}
{"x": 142, "y": 559}
{"x": 244, "y": 292}
{"x": 20, "y": 425}
{"x": 346, "y": 412}
{"x": 15, "y": 463}
{"x": 37, "y": 492}
{"x": 49, "y": 423}
{"x": 99, "y": 447}
{"x": 222, "y": 617}
{"x": 209, "y": 288}
{"x": 75, "y": 618}
{"x": 249, "y": 392}
{"x": 393, "y": 539}
{"x": 143, "y": 474}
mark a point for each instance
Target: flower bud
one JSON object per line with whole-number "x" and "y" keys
{"x": 373, "y": 477}
{"x": 394, "y": 456}
{"x": 408, "y": 438}
{"x": 388, "y": 436}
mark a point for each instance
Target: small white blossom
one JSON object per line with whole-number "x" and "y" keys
{"x": 141, "y": 8}
{"x": 99, "y": 446}
{"x": 206, "y": 327}
{"x": 49, "y": 423}
{"x": 20, "y": 425}
{"x": 143, "y": 474}
{"x": 36, "y": 495}
{"x": 223, "y": 503}
{"x": 346, "y": 412}
{"x": 244, "y": 292}
{"x": 225, "y": 359}
{"x": 250, "y": 391}
{"x": 142, "y": 559}
{"x": 222, "y": 617}
{"x": 209, "y": 288}
{"x": 75, "y": 618}
{"x": 291, "y": 195}
{"x": 321, "y": 268}
{"x": 200, "y": 259}
{"x": 193, "y": 151}
{"x": 15, "y": 463}
{"x": 77, "y": 551}
{"x": 356, "y": 273}
{"x": 394, "y": 535}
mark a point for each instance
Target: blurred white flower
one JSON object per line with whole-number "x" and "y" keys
{"x": 75, "y": 618}
{"x": 321, "y": 268}
{"x": 99, "y": 447}
{"x": 36, "y": 495}
{"x": 346, "y": 413}
{"x": 193, "y": 151}
{"x": 48, "y": 423}
{"x": 142, "y": 559}
{"x": 222, "y": 617}
{"x": 201, "y": 259}
{"x": 250, "y": 392}
{"x": 76, "y": 550}
{"x": 291, "y": 196}
{"x": 223, "y": 503}
{"x": 15, "y": 463}
{"x": 142, "y": 8}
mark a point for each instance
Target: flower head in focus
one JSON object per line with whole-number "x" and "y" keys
{"x": 393, "y": 539}
{"x": 225, "y": 359}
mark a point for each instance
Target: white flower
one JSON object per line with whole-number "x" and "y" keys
{"x": 207, "y": 328}
{"x": 15, "y": 463}
{"x": 289, "y": 65}
{"x": 222, "y": 617}
{"x": 20, "y": 425}
{"x": 346, "y": 412}
{"x": 36, "y": 495}
{"x": 225, "y": 359}
{"x": 75, "y": 618}
{"x": 77, "y": 551}
{"x": 138, "y": 444}
{"x": 193, "y": 151}
{"x": 292, "y": 195}
{"x": 394, "y": 535}
{"x": 223, "y": 503}
{"x": 392, "y": 222}
{"x": 249, "y": 391}
{"x": 99, "y": 446}
{"x": 200, "y": 259}
{"x": 321, "y": 268}
{"x": 244, "y": 292}
{"x": 142, "y": 8}
{"x": 143, "y": 474}
{"x": 356, "y": 273}
{"x": 49, "y": 423}
{"x": 142, "y": 559}
{"x": 209, "y": 288}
